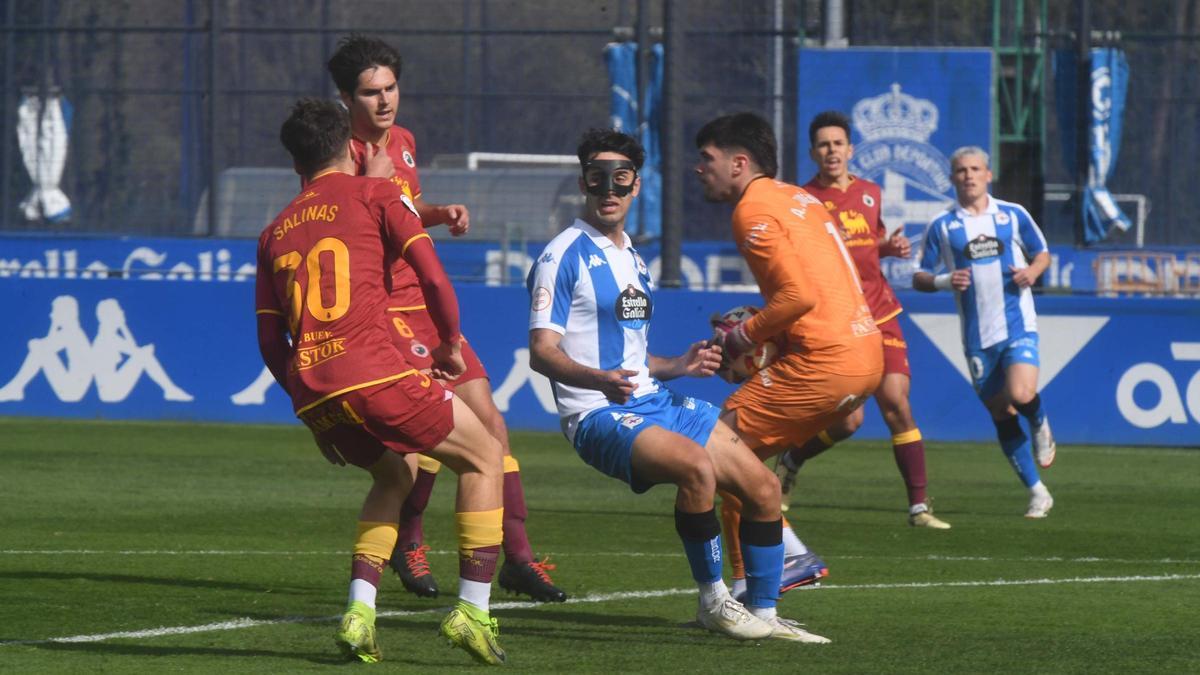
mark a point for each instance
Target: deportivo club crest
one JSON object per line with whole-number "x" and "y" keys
{"x": 895, "y": 152}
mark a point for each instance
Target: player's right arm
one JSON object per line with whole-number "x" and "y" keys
{"x": 547, "y": 358}
{"x": 775, "y": 265}
{"x": 924, "y": 279}
{"x": 551, "y": 286}
{"x": 273, "y": 343}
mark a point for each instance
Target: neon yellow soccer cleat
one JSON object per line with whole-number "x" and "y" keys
{"x": 356, "y": 634}
{"x": 473, "y": 630}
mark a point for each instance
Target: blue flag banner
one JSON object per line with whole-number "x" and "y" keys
{"x": 645, "y": 219}
{"x": 909, "y": 110}
{"x": 1110, "y": 82}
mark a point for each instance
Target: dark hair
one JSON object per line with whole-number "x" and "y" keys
{"x": 314, "y": 134}
{"x": 829, "y": 118}
{"x": 744, "y": 131}
{"x": 357, "y": 53}
{"x": 595, "y": 141}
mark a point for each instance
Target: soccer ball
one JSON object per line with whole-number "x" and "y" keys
{"x": 736, "y": 370}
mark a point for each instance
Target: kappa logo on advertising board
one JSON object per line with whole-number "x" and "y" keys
{"x": 71, "y": 363}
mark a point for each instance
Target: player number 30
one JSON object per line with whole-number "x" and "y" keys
{"x": 338, "y": 263}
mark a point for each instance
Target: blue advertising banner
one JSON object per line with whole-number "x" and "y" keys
{"x": 131, "y": 349}
{"x": 706, "y": 265}
{"x": 909, "y": 110}
{"x": 1109, "y": 82}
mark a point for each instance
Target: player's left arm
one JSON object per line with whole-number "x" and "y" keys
{"x": 762, "y": 242}
{"x": 456, "y": 217}
{"x": 406, "y": 233}
{"x": 897, "y": 245}
{"x": 702, "y": 359}
{"x": 1033, "y": 243}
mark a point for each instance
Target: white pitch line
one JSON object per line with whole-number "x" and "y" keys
{"x": 588, "y": 599}
{"x": 622, "y": 554}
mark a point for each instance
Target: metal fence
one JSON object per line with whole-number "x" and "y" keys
{"x": 169, "y": 97}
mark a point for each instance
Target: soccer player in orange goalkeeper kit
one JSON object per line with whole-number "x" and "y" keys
{"x": 833, "y": 359}
{"x": 856, "y": 203}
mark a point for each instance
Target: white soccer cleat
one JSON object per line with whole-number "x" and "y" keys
{"x": 786, "y": 629}
{"x": 1043, "y": 445}
{"x": 1039, "y": 506}
{"x": 731, "y": 618}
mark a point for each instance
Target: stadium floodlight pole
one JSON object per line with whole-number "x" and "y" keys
{"x": 673, "y": 166}
{"x": 833, "y": 21}
{"x": 213, "y": 43}
{"x": 9, "y": 58}
{"x": 1083, "y": 114}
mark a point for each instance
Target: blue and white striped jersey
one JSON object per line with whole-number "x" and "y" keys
{"x": 599, "y": 298}
{"x": 993, "y": 309}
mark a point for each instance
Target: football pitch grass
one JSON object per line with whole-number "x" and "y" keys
{"x": 140, "y": 547}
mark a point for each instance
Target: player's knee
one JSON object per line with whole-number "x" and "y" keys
{"x": 696, "y": 474}
{"x": 762, "y": 493}
{"x": 848, "y": 425}
{"x": 1022, "y": 393}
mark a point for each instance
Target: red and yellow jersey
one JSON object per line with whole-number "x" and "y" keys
{"x": 806, "y": 277}
{"x": 320, "y": 266}
{"x": 856, "y": 210}
{"x": 402, "y": 149}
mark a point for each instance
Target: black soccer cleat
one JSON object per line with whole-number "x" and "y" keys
{"x": 531, "y": 579}
{"x": 413, "y": 569}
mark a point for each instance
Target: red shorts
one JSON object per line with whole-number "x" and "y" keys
{"x": 895, "y": 349}
{"x": 416, "y": 336}
{"x": 412, "y": 414}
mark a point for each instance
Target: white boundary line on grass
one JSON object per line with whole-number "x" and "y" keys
{"x": 623, "y": 554}
{"x": 236, "y": 624}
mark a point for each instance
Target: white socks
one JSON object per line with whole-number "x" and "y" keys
{"x": 362, "y": 591}
{"x": 713, "y": 593}
{"x": 475, "y": 592}
{"x": 792, "y": 544}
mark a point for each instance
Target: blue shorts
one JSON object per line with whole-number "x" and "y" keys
{"x": 988, "y": 366}
{"x": 604, "y": 439}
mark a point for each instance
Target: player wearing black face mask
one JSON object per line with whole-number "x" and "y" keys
{"x": 601, "y": 176}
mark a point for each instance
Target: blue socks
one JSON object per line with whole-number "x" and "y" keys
{"x": 1032, "y": 411}
{"x": 1017, "y": 449}
{"x": 762, "y": 552}
{"x": 701, "y": 535}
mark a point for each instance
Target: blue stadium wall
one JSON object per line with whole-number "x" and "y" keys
{"x": 1114, "y": 370}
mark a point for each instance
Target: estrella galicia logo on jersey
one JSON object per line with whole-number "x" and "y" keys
{"x": 982, "y": 247}
{"x": 633, "y": 307}
{"x": 408, "y": 159}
